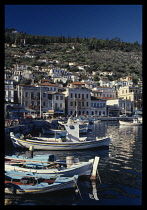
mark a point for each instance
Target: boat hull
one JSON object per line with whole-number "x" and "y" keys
{"x": 46, "y": 145}
{"x": 59, "y": 184}
{"x": 129, "y": 123}
{"x": 80, "y": 169}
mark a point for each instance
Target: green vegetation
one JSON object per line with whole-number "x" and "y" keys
{"x": 113, "y": 55}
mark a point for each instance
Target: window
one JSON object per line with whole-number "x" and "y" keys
{"x": 75, "y": 95}
{"x": 61, "y": 97}
{"x": 87, "y": 103}
{"x": 43, "y": 103}
{"x": 71, "y": 103}
{"x": 87, "y": 95}
{"x": 82, "y": 96}
{"x": 71, "y": 127}
{"x": 79, "y": 95}
{"x": 26, "y": 94}
{"x": 71, "y": 95}
{"x": 82, "y": 104}
{"x": 91, "y": 104}
{"x": 44, "y": 95}
{"x": 57, "y": 97}
{"x": 60, "y": 104}
{"x": 32, "y": 94}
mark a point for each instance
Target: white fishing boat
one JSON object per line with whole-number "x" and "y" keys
{"x": 28, "y": 183}
{"x": 53, "y": 131}
{"x": 135, "y": 122}
{"x": 47, "y": 164}
{"x": 72, "y": 141}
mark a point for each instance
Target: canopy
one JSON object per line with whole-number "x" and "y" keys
{"x": 19, "y": 110}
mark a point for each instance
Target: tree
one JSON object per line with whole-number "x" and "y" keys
{"x": 96, "y": 78}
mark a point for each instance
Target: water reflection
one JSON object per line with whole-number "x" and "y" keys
{"x": 120, "y": 170}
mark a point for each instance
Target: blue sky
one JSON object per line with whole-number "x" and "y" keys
{"x": 100, "y": 21}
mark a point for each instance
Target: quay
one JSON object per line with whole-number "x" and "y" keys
{"x": 30, "y": 125}
{"x": 115, "y": 118}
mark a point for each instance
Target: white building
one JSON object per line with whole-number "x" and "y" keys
{"x": 9, "y": 90}
{"x": 78, "y": 101}
{"x": 118, "y": 106}
{"x": 51, "y": 87}
{"x": 104, "y": 92}
{"x": 58, "y": 103}
{"x": 98, "y": 107}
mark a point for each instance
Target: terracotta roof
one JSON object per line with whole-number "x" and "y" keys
{"x": 78, "y": 83}
{"x": 47, "y": 84}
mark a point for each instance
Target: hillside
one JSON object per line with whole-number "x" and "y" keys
{"x": 101, "y": 55}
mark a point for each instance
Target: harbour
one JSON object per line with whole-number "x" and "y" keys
{"x": 119, "y": 170}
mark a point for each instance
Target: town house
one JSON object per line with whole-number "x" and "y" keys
{"x": 29, "y": 96}
{"x": 117, "y": 106}
{"x": 133, "y": 94}
{"x": 98, "y": 106}
{"x": 78, "y": 101}
{"x": 10, "y": 91}
{"x": 104, "y": 92}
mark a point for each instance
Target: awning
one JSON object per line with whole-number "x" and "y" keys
{"x": 138, "y": 112}
{"x": 51, "y": 111}
{"x": 127, "y": 112}
{"x": 19, "y": 110}
{"x": 30, "y": 110}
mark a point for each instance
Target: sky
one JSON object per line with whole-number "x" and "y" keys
{"x": 99, "y": 21}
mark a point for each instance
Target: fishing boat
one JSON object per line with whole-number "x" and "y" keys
{"x": 135, "y": 122}
{"x": 28, "y": 183}
{"x": 72, "y": 142}
{"x": 46, "y": 130}
{"x": 49, "y": 165}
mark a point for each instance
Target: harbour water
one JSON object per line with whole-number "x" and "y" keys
{"x": 119, "y": 169}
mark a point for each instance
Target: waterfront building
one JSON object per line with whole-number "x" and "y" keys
{"x": 29, "y": 96}
{"x": 98, "y": 106}
{"x": 78, "y": 101}
{"x": 117, "y": 106}
{"x": 57, "y": 103}
{"x": 10, "y": 91}
{"x": 134, "y": 94}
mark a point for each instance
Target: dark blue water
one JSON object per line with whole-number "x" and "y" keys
{"x": 120, "y": 172}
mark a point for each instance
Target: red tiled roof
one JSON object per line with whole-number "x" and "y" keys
{"x": 47, "y": 84}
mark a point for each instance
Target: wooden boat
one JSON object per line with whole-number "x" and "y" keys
{"x": 46, "y": 158}
{"x": 69, "y": 168}
{"x": 53, "y": 131}
{"x": 72, "y": 142}
{"x": 28, "y": 183}
{"x": 135, "y": 122}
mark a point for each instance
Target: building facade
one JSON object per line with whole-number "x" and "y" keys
{"x": 134, "y": 94}
{"x": 78, "y": 101}
{"x": 98, "y": 107}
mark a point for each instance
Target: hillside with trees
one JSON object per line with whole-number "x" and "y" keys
{"x": 113, "y": 55}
